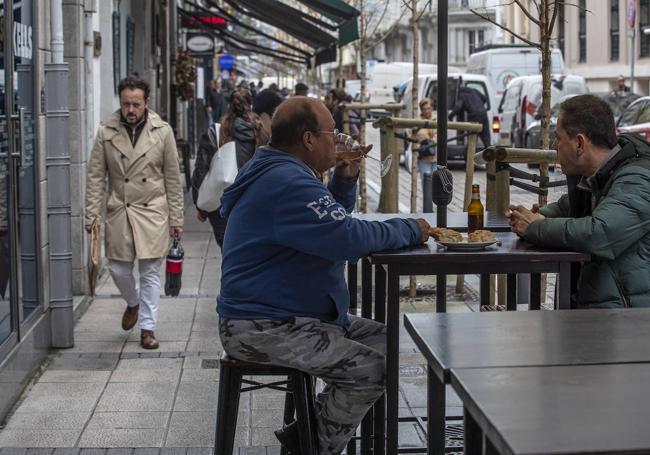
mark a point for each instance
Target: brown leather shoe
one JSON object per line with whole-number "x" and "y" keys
{"x": 148, "y": 340}
{"x": 130, "y": 317}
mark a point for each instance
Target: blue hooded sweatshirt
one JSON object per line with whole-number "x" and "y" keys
{"x": 287, "y": 240}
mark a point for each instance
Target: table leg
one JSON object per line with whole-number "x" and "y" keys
{"x": 392, "y": 361}
{"x": 366, "y": 288}
{"x": 473, "y": 435}
{"x": 485, "y": 290}
{"x": 436, "y": 403}
{"x": 511, "y": 292}
{"x": 352, "y": 286}
{"x": 441, "y": 293}
{"x": 380, "y": 404}
{"x": 564, "y": 286}
{"x": 535, "y": 291}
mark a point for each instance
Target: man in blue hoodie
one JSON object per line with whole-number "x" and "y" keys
{"x": 283, "y": 297}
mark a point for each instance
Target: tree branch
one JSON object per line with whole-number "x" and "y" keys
{"x": 525, "y": 40}
{"x": 527, "y": 13}
{"x": 379, "y": 21}
{"x": 389, "y": 31}
{"x": 558, "y": 4}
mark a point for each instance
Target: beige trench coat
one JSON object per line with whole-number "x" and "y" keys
{"x": 144, "y": 196}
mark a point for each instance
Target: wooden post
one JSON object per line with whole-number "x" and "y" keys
{"x": 490, "y": 190}
{"x": 502, "y": 191}
{"x": 388, "y": 197}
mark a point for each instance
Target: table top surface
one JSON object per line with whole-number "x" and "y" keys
{"x": 530, "y": 338}
{"x": 562, "y": 409}
{"x": 511, "y": 248}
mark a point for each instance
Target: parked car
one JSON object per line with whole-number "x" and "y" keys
{"x": 618, "y": 101}
{"x": 636, "y": 118}
{"x": 522, "y": 99}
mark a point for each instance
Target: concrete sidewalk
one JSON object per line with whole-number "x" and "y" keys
{"x": 108, "y": 393}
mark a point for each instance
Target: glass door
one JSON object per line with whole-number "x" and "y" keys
{"x": 19, "y": 283}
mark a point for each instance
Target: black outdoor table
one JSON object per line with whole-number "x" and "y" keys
{"x": 558, "y": 410}
{"x": 458, "y": 221}
{"x": 521, "y": 339}
{"x": 513, "y": 256}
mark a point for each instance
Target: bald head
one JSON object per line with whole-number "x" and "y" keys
{"x": 293, "y": 118}
{"x": 303, "y": 127}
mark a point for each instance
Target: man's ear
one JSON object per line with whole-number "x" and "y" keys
{"x": 581, "y": 140}
{"x": 307, "y": 139}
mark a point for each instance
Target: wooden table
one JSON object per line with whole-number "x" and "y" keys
{"x": 556, "y": 410}
{"x": 512, "y": 257}
{"x": 521, "y": 339}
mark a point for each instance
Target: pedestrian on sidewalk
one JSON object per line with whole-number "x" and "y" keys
{"x": 244, "y": 127}
{"x": 606, "y": 211}
{"x": 284, "y": 300}
{"x": 134, "y": 166}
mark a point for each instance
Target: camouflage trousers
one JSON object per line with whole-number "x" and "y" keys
{"x": 351, "y": 362}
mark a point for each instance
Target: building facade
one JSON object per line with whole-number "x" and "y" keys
{"x": 58, "y": 80}
{"x": 598, "y": 39}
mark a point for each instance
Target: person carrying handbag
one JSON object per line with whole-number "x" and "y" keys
{"x": 241, "y": 125}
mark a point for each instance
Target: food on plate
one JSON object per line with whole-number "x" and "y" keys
{"x": 481, "y": 236}
{"x": 445, "y": 235}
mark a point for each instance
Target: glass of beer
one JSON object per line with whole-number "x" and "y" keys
{"x": 347, "y": 148}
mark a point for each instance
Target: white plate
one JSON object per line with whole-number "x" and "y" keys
{"x": 466, "y": 246}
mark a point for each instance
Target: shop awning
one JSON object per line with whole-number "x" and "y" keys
{"x": 313, "y": 30}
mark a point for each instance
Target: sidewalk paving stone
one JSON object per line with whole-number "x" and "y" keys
{"x": 138, "y": 437}
{"x": 130, "y": 419}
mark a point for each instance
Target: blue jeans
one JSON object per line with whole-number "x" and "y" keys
{"x": 426, "y": 167}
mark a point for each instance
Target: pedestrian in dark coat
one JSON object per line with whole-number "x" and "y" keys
{"x": 471, "y": 102}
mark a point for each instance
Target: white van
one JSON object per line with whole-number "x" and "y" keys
{"x": 522, "y": 101}
{"x": 382, "y": 77}
{"x": 502, "y": 62}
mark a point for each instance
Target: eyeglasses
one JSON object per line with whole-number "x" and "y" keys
{"x": 336, "y": 132}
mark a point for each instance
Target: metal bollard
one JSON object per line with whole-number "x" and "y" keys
{"x": 427, "y": 193}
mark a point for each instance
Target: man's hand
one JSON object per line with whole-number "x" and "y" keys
{"x": 349, "y": 169}
{"x": 176, "y": 231}
{"x": 424, "y": 228}
{"x": 201, "y": 215}
{"x": 520, "y": 217}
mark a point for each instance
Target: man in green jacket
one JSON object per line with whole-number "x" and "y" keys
{"x": 606, "y": 211}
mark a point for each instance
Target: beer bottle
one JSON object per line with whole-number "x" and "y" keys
{"x": 475, "y": 211}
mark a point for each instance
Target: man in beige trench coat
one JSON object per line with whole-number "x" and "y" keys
{"x": 135, "y": 151}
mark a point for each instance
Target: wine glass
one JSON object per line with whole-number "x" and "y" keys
{"x": 348, "y": 148}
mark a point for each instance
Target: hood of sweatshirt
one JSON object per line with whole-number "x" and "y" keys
{"x": 265, "y": 159}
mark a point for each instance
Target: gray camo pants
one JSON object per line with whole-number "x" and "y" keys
{"x": 352, "y": 364}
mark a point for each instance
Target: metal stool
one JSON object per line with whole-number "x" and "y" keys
{"x": 299, "y": 396}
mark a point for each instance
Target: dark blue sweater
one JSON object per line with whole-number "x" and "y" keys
{"x": 288, "y": 238}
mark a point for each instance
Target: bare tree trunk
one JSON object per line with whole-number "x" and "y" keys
{"x": 363, "y": 197}
{"x": 414, "y": 110}
{"x": 545, "y": 44}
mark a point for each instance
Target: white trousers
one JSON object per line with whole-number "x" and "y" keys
{"x": 148, "y": 296}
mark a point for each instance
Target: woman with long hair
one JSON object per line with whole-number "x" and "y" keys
{"x": 243, "y": 126}
{"x": 239, "y": 124}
